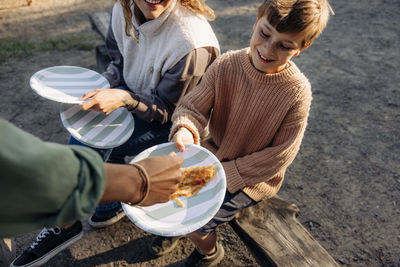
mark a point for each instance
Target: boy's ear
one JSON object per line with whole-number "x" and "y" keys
{"x": 302, "y": 49}
{"x": 307, "y": 45}
{"x": 254, "y": 25}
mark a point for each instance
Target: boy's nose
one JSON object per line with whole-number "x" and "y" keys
{"x": 268, "y": 48}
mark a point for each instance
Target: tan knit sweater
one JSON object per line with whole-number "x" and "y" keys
{"x": 257, "y": 121}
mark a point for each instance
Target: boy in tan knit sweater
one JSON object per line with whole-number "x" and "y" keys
{"x": 260, "y": 102}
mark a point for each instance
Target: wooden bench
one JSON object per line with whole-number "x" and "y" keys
{"x": 276, "y": 238}
{"x": 100, "y": 22}
{"x": 270, "y": 228}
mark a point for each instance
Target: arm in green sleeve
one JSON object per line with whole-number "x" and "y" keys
{"x": 45, "y": 184}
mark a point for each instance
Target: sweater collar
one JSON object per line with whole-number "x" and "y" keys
{"x": 253, "y": 73}
{"x": 151, "y": 26}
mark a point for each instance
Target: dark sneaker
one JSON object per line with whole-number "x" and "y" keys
{"x": 199, "y": 260}
{"x": 161, "y": 245}
{"x": 101, "y": 222}
{"x": 48, "y": 243}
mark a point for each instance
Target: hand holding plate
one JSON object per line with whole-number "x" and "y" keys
{"x": 181, "y": 137}
{"x": 104, "y": 100}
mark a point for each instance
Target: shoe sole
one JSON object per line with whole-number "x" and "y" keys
{"x": 220, "y": 256}
{"x": 52, "y": 253}
{"x": 108, "y": 222}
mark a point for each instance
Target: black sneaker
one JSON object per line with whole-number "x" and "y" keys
{"x": 161, "y": 245}
{"x": 101, "y": 222}
{"x": 199, "y": 260}
{"x": 48, "y": 243}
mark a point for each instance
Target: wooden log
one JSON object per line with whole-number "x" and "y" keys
{"x": 102, "y": 58}
{"x": 100, "y": 22}
{"x": 277, "y": 238}
{"x": 10, "y": 4}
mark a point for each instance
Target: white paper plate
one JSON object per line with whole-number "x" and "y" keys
{"x": 168, "y": 219}
{"x": 96, "y": 129}
{"x": 66, "y": 84}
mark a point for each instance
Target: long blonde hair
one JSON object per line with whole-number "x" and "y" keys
{"x": 197, "y": 6}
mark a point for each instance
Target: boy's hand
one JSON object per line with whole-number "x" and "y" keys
{"x": 181, "y": 137}
{"x": 104, "y": 100}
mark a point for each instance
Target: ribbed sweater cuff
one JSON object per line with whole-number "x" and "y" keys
{"x": 233, "y": 179}
{"x": 188, "y": 125}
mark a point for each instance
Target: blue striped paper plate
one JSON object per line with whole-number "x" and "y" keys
{"x": 96, "y": 129}
{"x": 168, "y": 219}
{"x": 66, "y": 84}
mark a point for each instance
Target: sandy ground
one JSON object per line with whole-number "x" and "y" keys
{"x": 345, "y": 180}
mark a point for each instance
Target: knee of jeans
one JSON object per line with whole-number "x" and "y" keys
{"x": 112, "y": 206}
{"x": 73, "y": 141}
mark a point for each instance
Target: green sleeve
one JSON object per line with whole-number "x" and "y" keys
{"x": 45, "y": 184}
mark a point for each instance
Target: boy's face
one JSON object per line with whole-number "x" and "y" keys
{"x": 152, "y": 9}
{"x": 271, "y": 50}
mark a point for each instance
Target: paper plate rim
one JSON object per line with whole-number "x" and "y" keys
{"x": 39, "y": 92}
{"x": 88, "y": 143}
{"x": 189, "y": 228}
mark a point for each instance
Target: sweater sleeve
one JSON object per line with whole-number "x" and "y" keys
{"x": 45, "y": 184}
{"x": 194, "y": 110}
{"x": 269, "y": 164}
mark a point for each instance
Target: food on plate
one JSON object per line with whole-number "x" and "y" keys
{"x": 194, "y": 179}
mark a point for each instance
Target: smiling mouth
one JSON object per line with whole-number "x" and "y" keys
{"x": 153, "y": 2}
{"x": 263, "y": 59}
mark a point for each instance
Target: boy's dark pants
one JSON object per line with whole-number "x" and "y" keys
{"x": 233, "y": 203}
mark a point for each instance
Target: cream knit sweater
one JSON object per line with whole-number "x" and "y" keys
{"x": 257, "y": 120}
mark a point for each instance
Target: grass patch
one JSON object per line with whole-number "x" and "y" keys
{"x": 19, "y": 48}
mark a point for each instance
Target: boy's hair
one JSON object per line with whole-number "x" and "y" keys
{"x": 297, "y": 16}
{"x": 197, "y": 6}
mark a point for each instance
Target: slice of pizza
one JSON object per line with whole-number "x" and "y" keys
{"x": 194, "y": 179}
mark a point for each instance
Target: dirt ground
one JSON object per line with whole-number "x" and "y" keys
{"x": 346, "y": 178}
